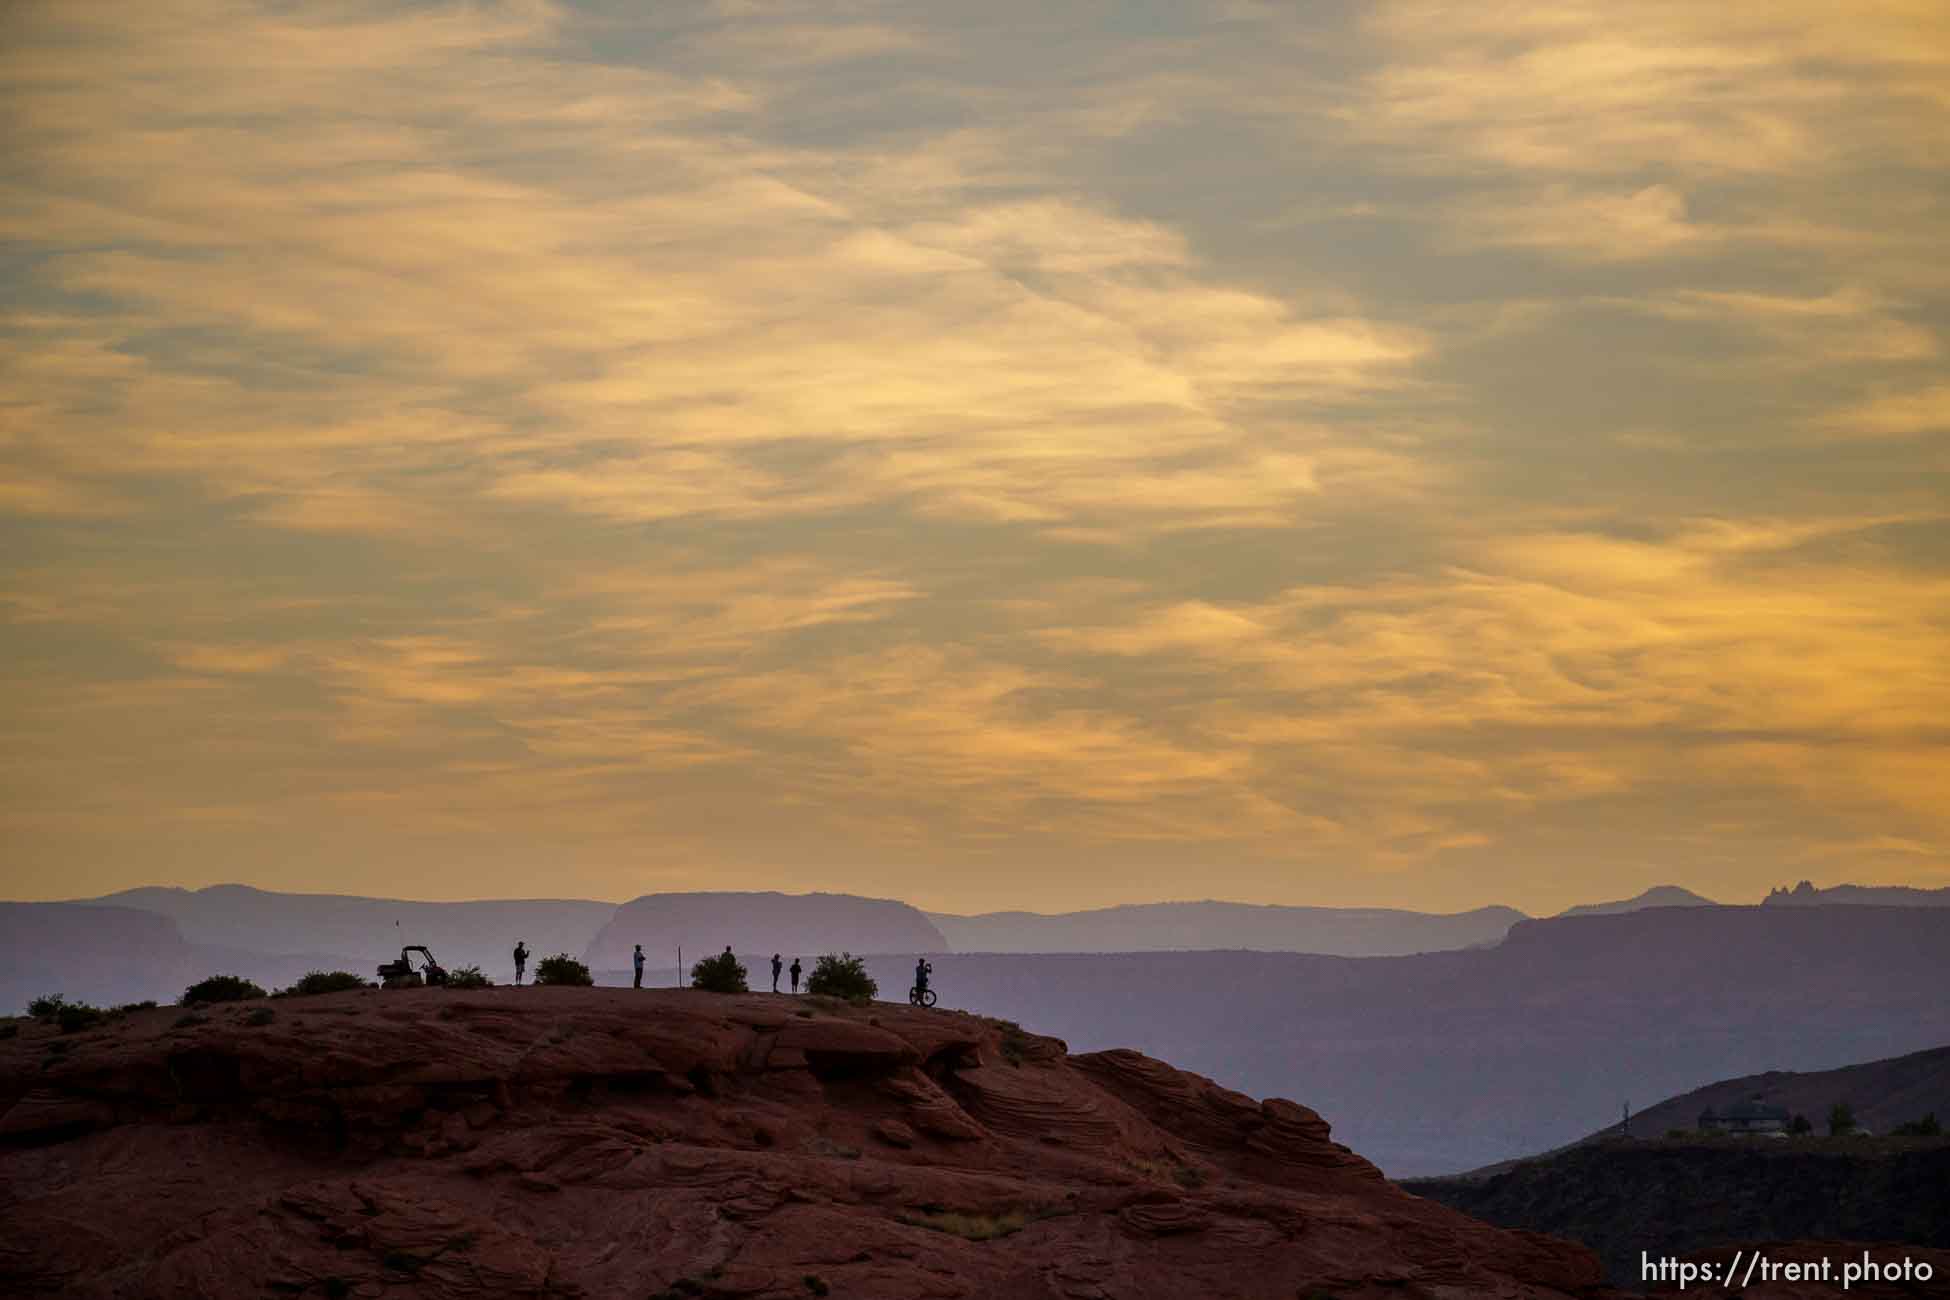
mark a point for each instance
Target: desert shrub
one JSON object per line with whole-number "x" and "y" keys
{"x": 723, "y": 973}
{"x": 1927, "y": 1127}
{"x": 1801, "y": 1124}
{"x": 1841, "y": 1119}
{"x": 147, "y": 1004}
{"x": 1678, "y": 1134}
{"x": 470, "y": 977}
{"x": 563, "y": 969}
{"x": 261, "y": 1016}
{"x": 47, "y": 1006}
{"x": 220, "y": 988}
{"x": 327, "y": 981}
{"x": 190, "y": 1021}
{"x": 77, "y": 1016}
{"x": 844, "y": 976}
{"x": 817, "y": 1284}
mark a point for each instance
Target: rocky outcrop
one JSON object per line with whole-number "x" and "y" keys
{"x": 609, "y": 1142}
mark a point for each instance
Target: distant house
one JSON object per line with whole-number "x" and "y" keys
{"x": 1744, "y": 1117}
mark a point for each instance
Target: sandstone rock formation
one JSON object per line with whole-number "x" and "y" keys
{"x": 613, "y": 1143}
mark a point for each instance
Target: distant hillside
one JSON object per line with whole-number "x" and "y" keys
{"x": 802, "y": 925}
{"x": 1657, "y": 896}
{"x": 1882, "y": 1093}
{"x": 104, "y": 955}
{"x": 362, "y": 930}
{"x": 1806, "y": 895}
{"x": 1622, "y": 1198}
{"x": 1453, "y": 1060}
{"x": 1163, "y": 927}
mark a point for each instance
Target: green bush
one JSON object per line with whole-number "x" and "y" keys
{"x": 190, "y": 1021}
{"x": 844, "y": 976}
{"x": 1841, "y": 1119}
{"x": 470, "y": 977}
{"x": 261, "y": 1016}
{"x": 327, "y": 981}
{"x": 220, "y": 988}
{"x": 1801, "y": 1124}
{"x": 1927, "y": 1127}
{"x": 720, "y": 974}
{"x": 77, "y": 1016}
{"x": 563, "y": 969}
{"x": 46, "y": 1007}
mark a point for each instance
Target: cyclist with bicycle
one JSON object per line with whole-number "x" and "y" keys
{"x": 920, "y": 995}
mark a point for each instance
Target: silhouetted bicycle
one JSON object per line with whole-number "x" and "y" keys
{"x": 920, "y": 997}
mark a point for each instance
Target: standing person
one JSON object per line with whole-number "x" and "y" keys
{"x": 795, "y": 974}
{"x": 637, "y": 958}
{"x": 777, "y": 966}
{"x": 521, "y": 959}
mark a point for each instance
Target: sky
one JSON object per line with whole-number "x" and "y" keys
{"x": 998, "y": 456}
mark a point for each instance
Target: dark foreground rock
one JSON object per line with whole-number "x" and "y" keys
{"x": 1626, "y": 1199}
{"x": 616, "y": 1143}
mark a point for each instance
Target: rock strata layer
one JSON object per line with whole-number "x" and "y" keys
{"x": 620, "y": 1143}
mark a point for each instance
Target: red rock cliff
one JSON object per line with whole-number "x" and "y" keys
{"x": 619, "y": 1143}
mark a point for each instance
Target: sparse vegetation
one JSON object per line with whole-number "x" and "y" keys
{"x": 723, "y": 973}
{"x": 1841, "y": 1119}
{"x": 844, "y": 976}
{"x": 261, "y": 1016}
{"x": 564, "y": 971}
{"x": 190, "y": 1021}
{"x": 468, "y": 977}
{"x": 1801, "y": 1125}
{"x": 46, "y": 1007}
{"x": 147, "y": 1004}
{"x": 817, "y": 1284}
{"x": 77, "y": 1016}
{"x": 322, "y": 981}
{"x": 220, "y": 988}
{"x": 1678, "y": 1133}
{"x": 1926, "y": 1127}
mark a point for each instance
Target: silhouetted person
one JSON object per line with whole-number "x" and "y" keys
{"x": 637, "y": 958}
{"x": 922, "y": 969}
{"x": 777, "y": 966}
{"x": 795, "y": 974}
{"x": 521, "y": 959}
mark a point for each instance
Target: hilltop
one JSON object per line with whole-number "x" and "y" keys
{"x": 606, "y": 1142}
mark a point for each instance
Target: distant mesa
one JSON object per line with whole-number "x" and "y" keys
{"x": 1806, "y": 895}
{"x": 802, "y": 925}
{"x": 361, "y": 931}
{"x": 1657, "y": 896}
{"x": 1209, "y": 925}
{"x": 102, "y": 955}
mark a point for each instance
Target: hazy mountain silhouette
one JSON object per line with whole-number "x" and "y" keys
{"x": 1159, "y": 927}
{"x": 803, "y": 925}
{"x": 103, "y": 955}
{"x": 1657, "y": 896}
{"x": 1453, "y": 1060}
{"x": 361, "y": 931}
{"x": 1806, "y": 895}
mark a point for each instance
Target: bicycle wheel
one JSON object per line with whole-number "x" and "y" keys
{"x": 927, "y": 998}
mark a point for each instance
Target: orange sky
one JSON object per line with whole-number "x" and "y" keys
{"x": 1403, "y": 453}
